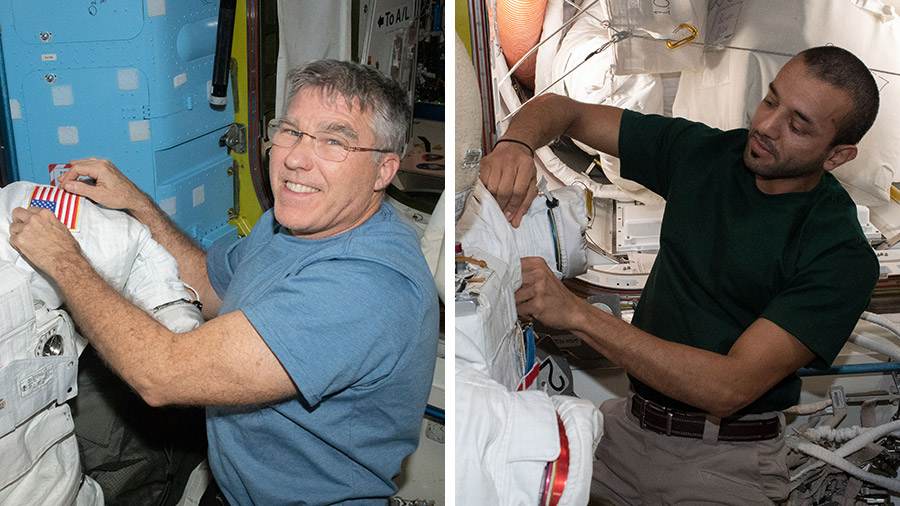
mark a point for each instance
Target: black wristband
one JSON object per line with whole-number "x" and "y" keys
{"x": 517, "y": 142}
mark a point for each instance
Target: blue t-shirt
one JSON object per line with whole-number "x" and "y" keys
{"x": 354, "y": 321}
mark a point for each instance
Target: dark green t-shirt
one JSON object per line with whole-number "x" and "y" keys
{"x": 730, "y": 254}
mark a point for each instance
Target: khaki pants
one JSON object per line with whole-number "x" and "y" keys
{"x": 635, "y": 466}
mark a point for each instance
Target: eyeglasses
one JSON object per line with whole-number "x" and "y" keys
{"x": 325, "y": 144}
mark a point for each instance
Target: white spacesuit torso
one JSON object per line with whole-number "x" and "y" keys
{"x": 39, "y": 348}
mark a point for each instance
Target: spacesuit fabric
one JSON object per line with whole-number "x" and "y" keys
{"x": 353, "y": 319}
{"x": 40, "y": 460}
{"x": 730, "y": 254}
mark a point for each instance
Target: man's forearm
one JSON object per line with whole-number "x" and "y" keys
{"x": 718, "y": 384}
{"x": 549, "y": 116}
{"x": 691, "y": 375}
{"x": 223, "y": 361}
{"x": 130, "y": 340}
{"x": 540, "y": 121}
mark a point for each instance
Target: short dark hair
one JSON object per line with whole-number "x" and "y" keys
{"x": 843, "y": 70}
{"x": 363, "y": 86}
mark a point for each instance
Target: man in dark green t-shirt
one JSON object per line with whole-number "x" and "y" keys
{"x": 762, "y": 269}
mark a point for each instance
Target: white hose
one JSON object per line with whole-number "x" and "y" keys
{"x": 866, "y": 340}
{"x": 861, "y": 436}
{"x": 876, "y": 343}
{"x": 836, "y": 458}
{"x": 869, "y": 436}
{"x": 832, "y": 435}
{"x": 881, "y": 321}
{"x": 844, "y": 465}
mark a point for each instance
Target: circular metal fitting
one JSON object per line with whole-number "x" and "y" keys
{"x": 53, "y": 347}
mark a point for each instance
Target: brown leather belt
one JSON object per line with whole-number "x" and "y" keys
{"x": 671, "y": 422}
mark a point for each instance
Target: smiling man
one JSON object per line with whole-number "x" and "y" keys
{"x": 762, "y": 269}
{"x": 318, "y": 353}
{"x": 315, "y": 194}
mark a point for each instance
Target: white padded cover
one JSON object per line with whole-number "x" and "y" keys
{"x": 487, "y": 339}
{"x": 595, "y": 81}
{"x": 726, "y": 91}
{"x": 468, "y": 114}
{"x": 653, "y": 22}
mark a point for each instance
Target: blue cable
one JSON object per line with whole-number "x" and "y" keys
{"x": 529, "y": 348}
{"x": 434, "y": 412}
{"x": 851, "y": 369}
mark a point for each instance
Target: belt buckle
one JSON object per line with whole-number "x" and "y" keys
{"x": 667, "y": 411}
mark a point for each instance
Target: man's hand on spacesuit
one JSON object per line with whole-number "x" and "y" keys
{"x": 508, "y": 172}
{"x": 543, "y": 297}
{"x": 39, "y": 236}
{"x": 111, "y": 188}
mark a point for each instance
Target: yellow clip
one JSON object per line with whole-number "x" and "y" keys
{"x": 678, "y": 43}
{"x": 589, "y": 200}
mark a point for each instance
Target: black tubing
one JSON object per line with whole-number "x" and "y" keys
{"x": 222, "y": 62}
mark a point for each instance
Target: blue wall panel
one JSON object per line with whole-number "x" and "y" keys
{"x": 126, "y": 80}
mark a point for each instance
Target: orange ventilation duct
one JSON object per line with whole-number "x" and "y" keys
{"x": 519, "y": 23}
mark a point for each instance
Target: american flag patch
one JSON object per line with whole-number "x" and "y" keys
{"x": 57, "y": 170}
{"x": 64, "y": 205}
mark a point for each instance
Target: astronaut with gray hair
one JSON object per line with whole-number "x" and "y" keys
{"x": 317, "y": 355}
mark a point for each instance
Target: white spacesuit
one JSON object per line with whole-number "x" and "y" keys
{"x": 515, "y": 443}
{"x": 39, "y": 348}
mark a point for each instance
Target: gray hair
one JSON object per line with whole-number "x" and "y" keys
{"x": 360, "y": 86}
